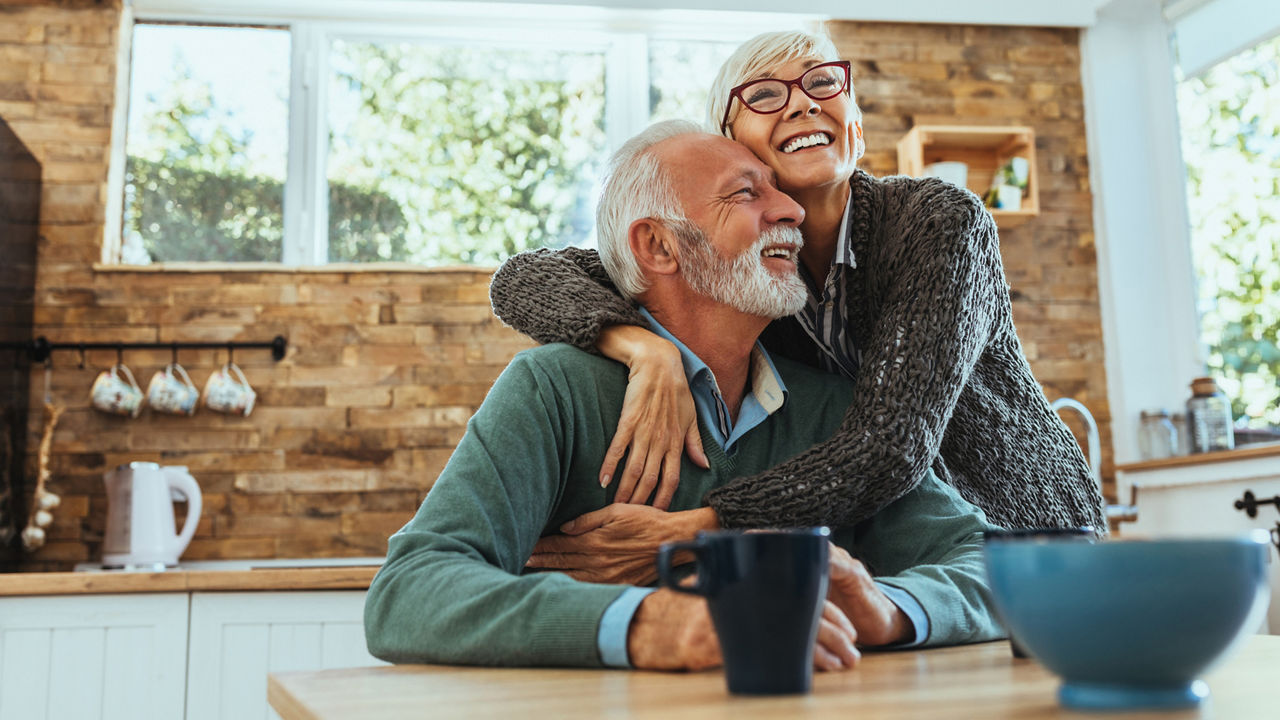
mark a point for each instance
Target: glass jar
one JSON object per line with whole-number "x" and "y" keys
{"x": 1157, "y": 435}
{"x": 1209, "y": 417}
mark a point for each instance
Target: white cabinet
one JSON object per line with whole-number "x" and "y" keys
{"x": 93, "y": 656}
{"x": 138, "y": 656}
{"x": 239, "y": 637}
{"x": 1182, "y": 498}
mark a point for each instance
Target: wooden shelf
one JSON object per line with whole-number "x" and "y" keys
{"x": 1244, "y": 452}
{"x": 984, "y": 150}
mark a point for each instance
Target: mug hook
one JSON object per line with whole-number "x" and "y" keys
{"x": 119, "y": 354}
{"x": 230, "y": 356}
{"x": 81, "y": 356}
{"x": 175, "y": 353}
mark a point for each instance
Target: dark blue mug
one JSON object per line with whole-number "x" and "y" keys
{"x": 765, "y": 591}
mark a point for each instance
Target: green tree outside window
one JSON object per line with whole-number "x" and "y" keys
{"x": 1230, "y": 119}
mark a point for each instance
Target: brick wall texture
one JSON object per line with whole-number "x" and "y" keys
{"x": 384, "y": 367}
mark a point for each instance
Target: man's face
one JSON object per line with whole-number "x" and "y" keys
{"x": 742, "y": 248}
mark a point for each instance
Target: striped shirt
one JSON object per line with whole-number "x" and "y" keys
{"x": 824, "y": 316}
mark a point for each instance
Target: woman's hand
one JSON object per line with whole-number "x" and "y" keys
{"x": 658, "y": 420}
{"x": 618, "y": 543}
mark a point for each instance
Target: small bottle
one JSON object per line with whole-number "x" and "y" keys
{"x": 1209, "y": 417}
{"x": 1157, "y": 435}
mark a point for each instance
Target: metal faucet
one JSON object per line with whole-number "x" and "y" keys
{"x": 1113, "y": 513}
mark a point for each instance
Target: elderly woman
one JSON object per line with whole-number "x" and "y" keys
{"x": 907, "y": 297}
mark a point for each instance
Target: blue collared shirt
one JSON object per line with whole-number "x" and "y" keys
{"x": 825, "y": 315}
{"x": 766, "y": 396}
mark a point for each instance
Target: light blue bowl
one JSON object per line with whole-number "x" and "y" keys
{"x": 1129, "y": 624}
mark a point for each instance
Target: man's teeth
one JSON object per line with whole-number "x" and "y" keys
{"x": 805, "y": 141}
{"x": 778, "y": 252}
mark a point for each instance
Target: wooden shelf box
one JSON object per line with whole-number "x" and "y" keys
{"x": 984, "y": 150}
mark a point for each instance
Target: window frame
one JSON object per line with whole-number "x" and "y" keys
{"x": 622, "y": 36}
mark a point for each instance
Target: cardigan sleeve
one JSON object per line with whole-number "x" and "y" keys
{"x": 560, "y": 296}
{"x": 930, "y": 330}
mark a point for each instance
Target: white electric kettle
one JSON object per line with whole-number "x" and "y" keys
{"x": 140, "y": 530}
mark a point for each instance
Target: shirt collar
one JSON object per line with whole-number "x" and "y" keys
{"x": 844, "y": 248}
{"x": 766, "y": 384}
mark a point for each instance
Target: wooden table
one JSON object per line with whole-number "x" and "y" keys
{"x": 974, "y": 682}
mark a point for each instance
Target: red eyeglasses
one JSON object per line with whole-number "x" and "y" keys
{"x": 769, "y": 95}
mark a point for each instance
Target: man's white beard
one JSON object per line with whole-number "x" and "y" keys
{"x": 743, "y": 282}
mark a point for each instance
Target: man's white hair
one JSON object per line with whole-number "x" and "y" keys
{"x": 635, "y": 187}
{"x": 755, "y": 58}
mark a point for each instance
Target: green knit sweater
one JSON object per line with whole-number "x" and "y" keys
{"x": 451, "y": 590}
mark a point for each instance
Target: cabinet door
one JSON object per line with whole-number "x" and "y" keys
{"x": 1207, "y": 509}
{"x": 237, "y": 638}
{"x": 93, "y": 656}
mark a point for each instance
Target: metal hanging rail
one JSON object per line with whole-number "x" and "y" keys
{"x": 41, "y": 349}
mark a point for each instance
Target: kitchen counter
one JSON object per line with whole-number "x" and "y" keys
{"x": 240, "y": 575}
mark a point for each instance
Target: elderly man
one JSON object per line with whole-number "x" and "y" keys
{"x": 692, "y": 227}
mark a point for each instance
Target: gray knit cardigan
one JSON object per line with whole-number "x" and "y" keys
{"x": 943, "y": 382}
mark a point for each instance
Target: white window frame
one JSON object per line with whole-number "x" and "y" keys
{"x": 622, "y": 35}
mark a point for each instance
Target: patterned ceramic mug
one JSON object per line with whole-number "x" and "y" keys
{"x": 117, "y": 395}
{"x": 227, "y": 391}
{"x": 171, "y": 391}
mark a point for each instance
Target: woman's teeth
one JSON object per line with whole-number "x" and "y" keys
{"x": 805, "y": 141}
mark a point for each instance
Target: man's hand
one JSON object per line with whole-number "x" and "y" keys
{"x": 618, "y": 543}
{"x": 836, "y": 637}
{"x": 673, "y": 631}
{"x": 877, "y": 620}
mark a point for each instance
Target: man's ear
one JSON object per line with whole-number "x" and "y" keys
{"x": 653, "y": 246}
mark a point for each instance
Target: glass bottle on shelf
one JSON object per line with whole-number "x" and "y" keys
{"x": 1209, "y": 417}
{"x": 1157, "y": 435}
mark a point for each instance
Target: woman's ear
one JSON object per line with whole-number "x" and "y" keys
{"x": 859, "y": 146}
{"x": 653, "y": 247}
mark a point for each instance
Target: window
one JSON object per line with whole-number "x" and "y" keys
{"x": 423, "y": 140}
{"x": 1230, "y": 118}
{"x": 206, "y": 148}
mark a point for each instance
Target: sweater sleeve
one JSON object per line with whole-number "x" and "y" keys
{"x": 935, "y": 321}
{"x": 929, "y": 545}
{"x": 451, "y": 590}
{"x": 559, "y": 296}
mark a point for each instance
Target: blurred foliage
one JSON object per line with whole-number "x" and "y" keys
{"x": 487, "y": 151}
{"x": 191, "y": 189}
{"x": 1231, "y": 144}
{"x": 199, "y": 215}
{"x": 680, "y": 73}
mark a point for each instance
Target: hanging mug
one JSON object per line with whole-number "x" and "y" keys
{"x": 171, "y": 391}
{"x": 112, "y": 393}
{"x": 227, "y": 391}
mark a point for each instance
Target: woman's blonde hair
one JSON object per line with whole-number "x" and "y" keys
{"x": 754, "y": 58}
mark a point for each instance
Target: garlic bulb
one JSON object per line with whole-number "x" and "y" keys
{"x": 32, "y": 538}
{"x": 48, "y": 501}
{"x": 43, "y": 518}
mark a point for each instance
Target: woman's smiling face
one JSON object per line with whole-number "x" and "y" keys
{"x": 808, "y": 143}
